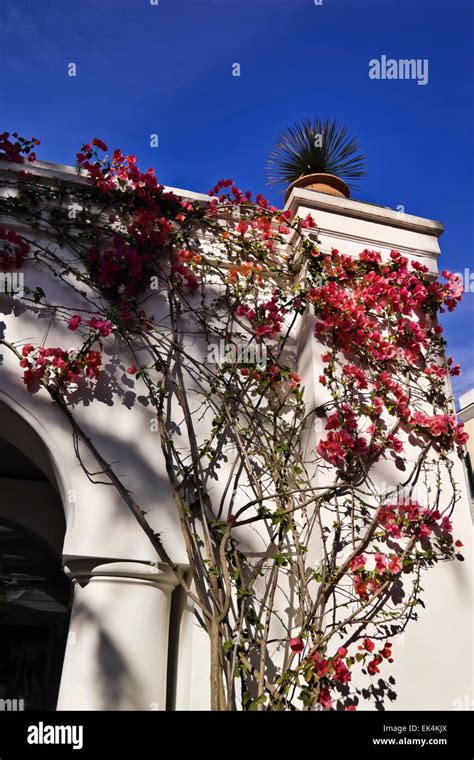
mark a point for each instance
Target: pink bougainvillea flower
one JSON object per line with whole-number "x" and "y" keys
{"x": 262, "y": 330}
{"x": 103, "y": 326}
{"x": 13, "y": 249}
{"x": 357, "y": 562}
{"x": 361, "y": 587}
{"x": 321, "y": 667}
{"x": 395, "y": 443}
{"x": 424, "y": 531}
{"x": 242, "y": 227}
{"x": 27, "y": 349}
{"x": 446, "y": 524}
{"x": 341, "y": 671}
{"x": 74, "y": 322}
{"x": 395, "y": 564}
{"x": 297, "y": 644}
{"x": 308, "y": 221}
{"x": 54, "y": 366}
{"x": 325, "y": 699}
{"x": 370, "y": 322}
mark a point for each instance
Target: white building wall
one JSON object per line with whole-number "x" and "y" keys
{"x": 121, "y": 593}
{"x": 425, "y": 676}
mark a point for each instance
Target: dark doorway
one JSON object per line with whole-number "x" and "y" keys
{"x": 35, "y": 595}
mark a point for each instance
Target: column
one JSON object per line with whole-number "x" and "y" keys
{"x": 117, "y": 649}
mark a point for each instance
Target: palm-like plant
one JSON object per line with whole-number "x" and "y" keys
{"x": 314, "y": 146}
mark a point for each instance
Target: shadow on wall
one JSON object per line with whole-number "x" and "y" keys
{"x": 117, "y": 686}
{"x": 139, "y": 470}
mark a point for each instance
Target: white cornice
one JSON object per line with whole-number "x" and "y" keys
{"x": 467, "y": 413}
{"x": 361, "y": 210}
{"x": 372, "y": 243}
{"x": 68, "y": 174}
{"x": 466, "y": 404}
{"x": 299, "y": 197}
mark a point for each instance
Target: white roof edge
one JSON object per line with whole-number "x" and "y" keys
{"x": 70, "y": 174}
{"x": 466, "y": 399}
{"x": 299, "y": 197}
{"x": 361, "y": 210}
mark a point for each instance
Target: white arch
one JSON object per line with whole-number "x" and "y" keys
{"x": 56, "y": 466}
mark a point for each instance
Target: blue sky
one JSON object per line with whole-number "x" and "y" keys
{"x": 167, "y": 69}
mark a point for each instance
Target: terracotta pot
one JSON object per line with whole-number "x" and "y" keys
{"x": 321, "y": 183}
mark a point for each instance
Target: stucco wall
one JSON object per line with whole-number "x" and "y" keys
{"x": 432, "y": 668}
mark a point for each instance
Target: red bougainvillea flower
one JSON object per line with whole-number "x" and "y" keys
{"x": 321, "y": 666}
{"x": 297, "y": 644}
{"x": 425, "y": 531}
{"x": 58, "y": 368}
{"x": 386, "y": 652}
{"x": 440, "y": 426}
{"x": 101, "y": 325}
{"x": 446, "y": 524}
{"x": 14, "y": 150}
{"x": 325, "y": 699}
{"x": 373, "y": 665}
{"x": 368, "y": 644}
{"x": 74, "y": 322}
{"x": 341, "y": 671}
{"x": 92, "y": 363}
{"x": 374, "y": 316}
{"x": 27, "y": 349}
{"x": 99, "y": 144}
{"x": 13, "y": 250}
{"x": 185, "y": 275}
{"x": 295, "y": 380}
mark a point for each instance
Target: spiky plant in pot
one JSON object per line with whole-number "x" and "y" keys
{"x": 318, "y": 154}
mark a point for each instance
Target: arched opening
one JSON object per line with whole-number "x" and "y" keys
{"x": 35, "y": 595}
